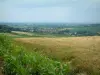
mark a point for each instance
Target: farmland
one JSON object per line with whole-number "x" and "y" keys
{"x": 83, "y": 53}
{"x": 75, "y": 49}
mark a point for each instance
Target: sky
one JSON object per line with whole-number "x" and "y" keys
{"x": 69, "y": 11}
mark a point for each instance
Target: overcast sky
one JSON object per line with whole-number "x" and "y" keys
{"x": 70, "y": 11}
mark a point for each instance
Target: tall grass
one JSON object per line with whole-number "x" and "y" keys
{"x": 83, "y": 53}
{"x": 19, "y": 62}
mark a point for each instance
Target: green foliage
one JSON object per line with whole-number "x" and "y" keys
{"x": 19, "y": 62}
{"x": 5, "y": 45}
{"x": 5, "y": 28}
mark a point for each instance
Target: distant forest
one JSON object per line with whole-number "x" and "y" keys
{"x": 7, "y": 29}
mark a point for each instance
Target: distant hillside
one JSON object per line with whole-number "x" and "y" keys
{"x": 61, "y": 29}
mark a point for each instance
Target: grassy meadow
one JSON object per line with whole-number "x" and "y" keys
{"x": 14, "y": 60}
{"x": 83, "y": 53}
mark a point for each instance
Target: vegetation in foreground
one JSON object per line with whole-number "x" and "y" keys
{"x": 83, "y": 53}
{"x": 19, "y": 62}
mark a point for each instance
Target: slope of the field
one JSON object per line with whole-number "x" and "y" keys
{"x": 82, "y": 52}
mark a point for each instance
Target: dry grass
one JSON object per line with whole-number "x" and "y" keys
{"x": 82, "y": 52}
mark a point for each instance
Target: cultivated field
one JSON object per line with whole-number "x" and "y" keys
{"x": 82, "y": 52}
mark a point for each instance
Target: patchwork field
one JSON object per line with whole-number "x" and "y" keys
{"x": 83, "y": 53}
